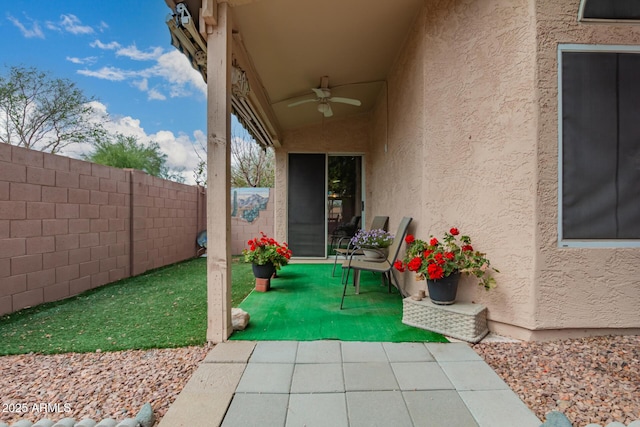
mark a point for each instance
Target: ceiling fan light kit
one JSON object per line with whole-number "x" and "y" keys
{"x": 323, "y": 97}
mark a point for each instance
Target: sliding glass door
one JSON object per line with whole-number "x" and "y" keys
{"x": 325, "y": 192}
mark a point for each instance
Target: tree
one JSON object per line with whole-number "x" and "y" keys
{"x": 44, "y": 113}
{"x": 251, "y": 165}
{"x": 127, "y": 152}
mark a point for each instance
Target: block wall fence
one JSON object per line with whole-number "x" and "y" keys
{"x": 67, "y": 225}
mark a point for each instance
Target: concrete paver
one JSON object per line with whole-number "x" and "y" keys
{"x": 438, "y": 408}
{"x": 318, "y": 378}
{"x": 333, "y": 383}
{"x": 421, "y": 376}
{"x": 317, "y": 410}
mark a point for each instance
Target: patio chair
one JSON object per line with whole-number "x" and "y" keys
{"x": 384, "y": 266}
{"x": 345, "y": 230}
{"x": 379, "y": 222}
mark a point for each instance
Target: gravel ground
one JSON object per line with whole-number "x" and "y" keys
{"x": 590, "y": 380}
{"x": 95, "y": 385}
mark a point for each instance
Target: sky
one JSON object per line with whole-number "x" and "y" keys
{"x": 120, "y": 54}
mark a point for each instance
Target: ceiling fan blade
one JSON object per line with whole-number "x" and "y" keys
{"x": 321, "y": 92}
{"x": 328, "y": 112}
{"x": 304, "y": 101}
{"x": 349, "y": 101}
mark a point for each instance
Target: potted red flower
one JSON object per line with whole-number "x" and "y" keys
{"x": 442, "y": 262}
{"x": 267, "y": 256}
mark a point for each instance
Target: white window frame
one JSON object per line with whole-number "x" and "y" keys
{"x": 584, "y": 243}
{"x": 581, "y": 17}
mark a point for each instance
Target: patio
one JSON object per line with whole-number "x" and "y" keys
{"x": 304, "y": 305}
{"x": 335, "y": 383}
{"x": 303, "y": 361}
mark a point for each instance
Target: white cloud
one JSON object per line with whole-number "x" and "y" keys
{"x": 154, "y": 94}
{"x": 143, "y": 84}
{"x": 175, "y": 68}
{"x": 107, "y": 73}
{"x": 105, "y": 46}
{"x": 88, "y": 60}
{"x": 52, "y": 26}
{"x": 103, "y": 26}
{"x": 180, "y": 150}
{"x": 32, "y": 32}
{"x": 132, "y": 52}
{"x": 176, "y": 75}
{"x": 71, "y": 24}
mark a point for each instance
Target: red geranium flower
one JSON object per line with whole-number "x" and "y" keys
{"x": 409, "y": 239}
{"x": 454, "y": 231}
{"x": 414, "y": 264}
{"x": 433, "y": 241}
{"x": 399, "y": 266}
{"x": 435, "y": 272}
{"x": 467, "y": 248}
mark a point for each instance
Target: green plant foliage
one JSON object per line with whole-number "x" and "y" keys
{"x": 126, "y": 152}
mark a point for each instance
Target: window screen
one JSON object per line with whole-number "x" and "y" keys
{"x": 611, "y": 9}
{"x": 600, "y": 145}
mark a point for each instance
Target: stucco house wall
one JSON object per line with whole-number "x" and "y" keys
{"x": 580, "y": 290}
{"x": 471, "y": 135}
{"x": 461, "y": 141}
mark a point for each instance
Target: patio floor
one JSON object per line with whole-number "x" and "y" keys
{"x": 335, "y": 383}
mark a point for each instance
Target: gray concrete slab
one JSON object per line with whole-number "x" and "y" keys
{"x": 231, "y": 352}
{"x": 377, "y": 409}
{"x": 354, "y": 351}
{"x": 275, "y": 352}
{"x": 438, "y": 408}
{"x": 266, "y": 378}
{"x": 215, "y": 378}
{"x": 421, "y": 376}
{"x": 257, "y": 410}
{"x": 452, "y": 352}
{"x": 318, "y": 378}
{"x": 319, "y": 352}
{"x": 369, "y": 376}
{"x": 317, "y": 410}
{"x": 407, "y": 352}
{"x": 474, "y": 375}
{"x": 498, "y": 408}
{"x": 333, "y": 383}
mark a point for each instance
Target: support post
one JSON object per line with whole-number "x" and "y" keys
{"x": 219, "y": 178}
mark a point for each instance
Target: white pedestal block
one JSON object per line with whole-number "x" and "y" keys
{"x": 462, "y": 320}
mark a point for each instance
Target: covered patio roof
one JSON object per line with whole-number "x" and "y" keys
{"x": 285, "y": 47}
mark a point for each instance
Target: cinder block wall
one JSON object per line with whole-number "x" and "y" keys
{"x": 67, "y": 225}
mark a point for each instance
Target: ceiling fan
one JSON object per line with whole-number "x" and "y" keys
{"x": 324, "y": 98}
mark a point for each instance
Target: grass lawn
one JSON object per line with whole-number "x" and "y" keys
{"x": 163, "y": 308}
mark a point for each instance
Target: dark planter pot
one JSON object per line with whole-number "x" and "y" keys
{"x": 443, "y": 291}
{"x": 264, "y": 271}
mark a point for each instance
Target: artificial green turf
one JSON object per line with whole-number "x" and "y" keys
{"x": 304, "y": 304}
{"x": 163, "y": 308}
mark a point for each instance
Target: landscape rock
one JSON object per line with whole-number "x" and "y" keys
{"x": 239, "y": 319}
{"x": 556, "y": 419}
{"x": 145, "y": 417}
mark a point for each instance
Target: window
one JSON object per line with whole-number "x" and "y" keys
{"x": 609, "y": 10}
{"x": 599, "y": 146}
